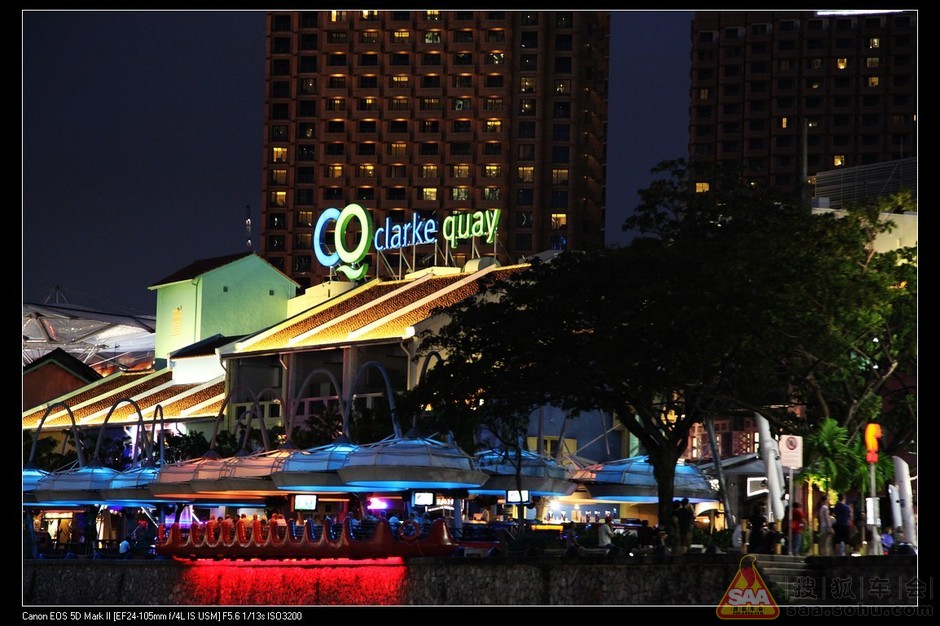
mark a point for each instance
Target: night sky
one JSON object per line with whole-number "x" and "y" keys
{"x": 142, "y": 140}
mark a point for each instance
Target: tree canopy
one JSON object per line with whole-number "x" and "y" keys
{"x": 730, "y": 300}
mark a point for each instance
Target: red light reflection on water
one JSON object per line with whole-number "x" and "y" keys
{"x": 302, "y": 582}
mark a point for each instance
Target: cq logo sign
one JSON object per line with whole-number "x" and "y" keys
{"x": 348, "y": 257}
{"x": 389, "y": 236}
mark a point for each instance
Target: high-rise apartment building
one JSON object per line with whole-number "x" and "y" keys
{"x": 788, "y": 94}
{"x": 431, "y": 121}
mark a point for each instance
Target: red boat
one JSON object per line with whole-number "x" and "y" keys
{"x": 233, "y": 541}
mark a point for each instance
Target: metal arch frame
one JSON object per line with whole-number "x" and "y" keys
{"x": 255, "y": 410}
{"x": 78, "y": 445}
{"x": 297, "y": 398}
{"x": 388, "y": 390}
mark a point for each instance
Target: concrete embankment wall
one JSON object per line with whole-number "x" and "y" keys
{"x": 699, "y": 580}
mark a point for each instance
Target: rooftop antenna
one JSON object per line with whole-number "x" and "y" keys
{"x": 248, "y": 224}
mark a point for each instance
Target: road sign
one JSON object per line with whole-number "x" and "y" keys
{"x": 791, "y": 451}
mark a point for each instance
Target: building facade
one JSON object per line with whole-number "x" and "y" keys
{"x": 790, "y": 94}
{"x": 420, "y": 115}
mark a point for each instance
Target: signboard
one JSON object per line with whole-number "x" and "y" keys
{"x": 791, "y": 451}
{"x": 756, "y": 485}
{"x": 454, "y": 228}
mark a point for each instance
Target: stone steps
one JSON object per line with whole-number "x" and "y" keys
{"x": 791, "y": 579}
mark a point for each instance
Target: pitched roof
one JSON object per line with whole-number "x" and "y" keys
{"x": 375, "y": 311}
{"x": 66, "y": 361}
{"x": 198, "y": 268}
{"x": 206, "y": 347}
{"x": 91, "y": 404}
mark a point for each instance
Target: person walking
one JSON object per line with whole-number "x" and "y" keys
{"x": 825, "y": 529}
{"x": 797, "y": 524}
{"x": 842, "y": 525}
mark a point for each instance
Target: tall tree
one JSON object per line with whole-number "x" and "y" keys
{"x": 730, "y": 299}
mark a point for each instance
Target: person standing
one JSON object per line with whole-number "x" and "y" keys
{"x": 685, "y": 518}
{"x": 605, "y": 535}
{"x": 797, "y": 524}
{"x": 825, "y": 529}
{"x": 755, "y": 537}
{"x": 842, "y": 525}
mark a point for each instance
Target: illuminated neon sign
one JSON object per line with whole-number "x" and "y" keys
{"x": 390, "y": 236}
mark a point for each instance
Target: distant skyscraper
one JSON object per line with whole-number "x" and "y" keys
{"x": 790, "y": 94}
{"x": 418, "y": 116}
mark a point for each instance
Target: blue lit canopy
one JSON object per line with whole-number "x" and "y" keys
{"x": 399, "y": 463}
{"x": 541, "y": 476}
{"x": 632, "y": 480}
{"x": 317, "y": 469}
{"x": 81, "y": 485}
{"x": 131, "y": 487}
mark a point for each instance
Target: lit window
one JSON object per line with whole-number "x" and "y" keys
{"x": 842, "y": 63}
{"x": 279, "y": 177}
{"x": 365, "y": 171}
{"x": 432, "y": 36}
{"x": 334, "y": 171}
{"x": 703, "y": 93}
{"x": 337, "y": 16}
{"x": 873, "y": 81}
{"x": 428, "y": 193}
{"x": 398, "y": 149}
{"x": 366, "y": 36}
{"x": 559, "y": 221}
{"x": 783, "y": 122}
{"x": 336, "y": 104}
{"x": 461, "y": 104}
{"x": 562, "y": 86}
{"x": 559, "y": 175}
{"x": 432, "y": 16}
{"x": 399, "y": 104}
{"x": 491, "y": 193}
{"x": 430, "y": 104}
{"x": 493, "y": 104}
{"x": 401, "y": 36}
{"x": 460, "y": 171}
{"x": 526, "y": 174}
{"x": 491, "y": 171}
{"x": 527, "y": 84}
{"x": 278, "y": 198}
{"x": 177, "y": 322}
{"x": 701, "y": 187}
{"x": 493, "y": 126}
{"x": 427, "y": 171}
{"x": 838, "y": 160}
{"x": 527, "y": 107}
{"x": 460, "y": 193}
{"x": 872, "y": 62}
{"x": 279, "y": 155}
{"x": 495, "y": 58}
{"x": 399, "y": 82}
{"x": 370, "y": 16}
{"x": 874, "y": 42}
